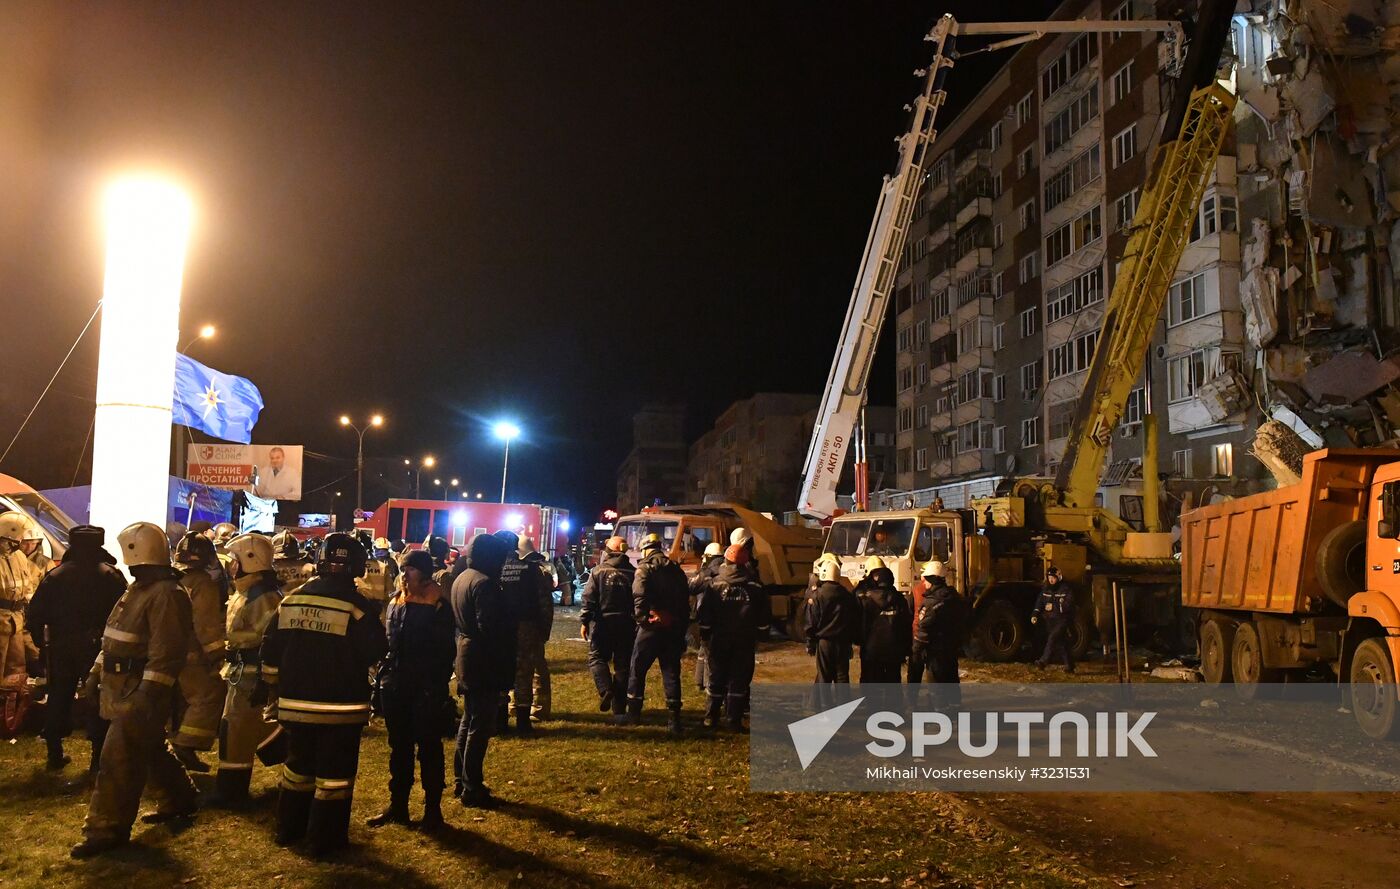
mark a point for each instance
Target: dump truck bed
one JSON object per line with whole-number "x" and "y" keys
{"x": 1259, "y": 553}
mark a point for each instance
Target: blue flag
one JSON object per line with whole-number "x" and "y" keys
{"x": 220, "y": 404}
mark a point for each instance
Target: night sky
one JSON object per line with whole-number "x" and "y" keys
{"x": 548, "y": 212}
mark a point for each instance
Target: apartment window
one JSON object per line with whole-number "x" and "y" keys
{"x": 921, "y": 374}
{"x": 1023, "y": 110}
{"x": 999, "y": 336}
{"x": 1186, "y": 300}
{"x": 921, "y": 460}
{"x": 996, "y": 235}
{"x": 906, "y": 421}
{"x": 1218, "y": 213}
{"x": 1133, "y": 409}
{"x": 921, "y": 416}
{"x": 997, "y": 289}
{"x": 1025, "y": 162}
{"x": 1074, "y": 295}
{"x": 944, "y": 447}
{"x": 1073, "y": 355}
{"x": 973, "y": 436}
{"x": 938, "y": 173}
{"x": 1124, "y": 146}
{"x": 1122, "y": 84}
{"x": 940, "y": 304}
{"x": 1186, "y": 374}
{"x": 996, "y": 185}
{"x": 1026, "y": 212}
{"x": 994, "y": 137}
{"x": 921, "y": 334}
{"x": 1028, "y": 322}
{"x": 999, "y": 387}
{"x": 1222, "y": 459}
{"x": 1181, "y": 463}
{"x": 1124, "y": 209}
{"x": 1059, "y": 72}
{"x": 974, "y": 334}
{"x": 920, "y": 249}
{"x": 1028, "y": 267}
{"x": 920, "y": 291}
{"x": 1072, "y": 177}
{"x": 942, "y": 400}
{"x": 1061, "y": 419}
{"x": 904, "y": 341}
{"x": 1030, "y": 432}
{"x": 1072, "y": 119}
{"x": 1030, "y": 378}
{"x": 999, "y": 440}
{"x": 906, "y": 378}
{"x": 1073, "y": 235}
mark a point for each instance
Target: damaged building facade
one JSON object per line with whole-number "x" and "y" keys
{"x": 1274, "y": 335}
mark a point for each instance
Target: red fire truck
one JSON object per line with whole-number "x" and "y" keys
{"x": 458, "y": 521}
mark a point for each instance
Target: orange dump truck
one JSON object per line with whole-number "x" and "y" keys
{"x": 1302, "y": 577}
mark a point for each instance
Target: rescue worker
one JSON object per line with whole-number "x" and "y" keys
{"x": 744, "y": 537}
{"x": 381, "y": 576}
{"x": 1056, "y": 604}
{"x": 223, "y": 533}
{"x": 316, "y": 657}
{"x": 413, "y": 690}
{"x": 709, "y": 566}
{"x": 438, "y": 548}
{"x": 520, "y": 594}
{"x": 566, "y": 578}
{"x": 872, "y": 564}
{"x": 33, "y": 546}
{"x": 15, "y": 578}
{"x": 251, "y": 607}
{"x": 144, "y": 646}
{"x": 533, "y": 697}
{"x": 733, "y": 614}
{"x": 661, "y": 607}
{"x": 886, "y": 628}
{"x": 485, "y": 665}
{"x": 607, "y": 622}
{"x": 938, "y": 635}
{"x": 66, "y": 617}
{"x": 292, "y": 569}
{"x": 833, "y": 622}
{"x": 200, "y": 685}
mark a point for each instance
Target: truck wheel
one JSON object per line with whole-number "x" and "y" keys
{"x": 1252, "y": 678}
{"x": 1341, "y": 562}
{"x": 1081, "y": 634}
{"x": 1001, "y": 632}
{"x": 1217, "y": 637}
{"x": 1373, "y": 700}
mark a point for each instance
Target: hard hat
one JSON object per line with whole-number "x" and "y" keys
{"x": 827, "y": 570}
{"x": 873, "y": 563}
{"x": 341, "y": 553}
{"x": 615, "y": 544}
{"x": 286, "y": 546}
{"x": 933, "y": 568}
{"x": 651, "y": 541}
{"x": 224, "y": 532}
{"x": 252, "y": 552}
{"x": 15, "y": 526}
{"x": 144, "y": 544}
{"x": 381, "y": 543}
{"x": 830, "y": 558}
{"x": 714, "y": 549}
{"x": 196, "y": 549}
{"x": 740, "y": 536}
{"x": 737, "y": 554}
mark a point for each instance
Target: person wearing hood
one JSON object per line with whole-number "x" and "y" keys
{"x": 832, "y": 621}
{"x": 201, "y": 685}
{"x": 661, "y": 607}
{"x": 438, "y": 548}
{"x": 938, "y": 635}
{"x": 486, "y": 638}
{"x": 886, "y": 628}
{"x": 533, "y": 697}
{"x": 66, "y": 617}
{"x": 606, "y": 622}
{"x": 709, "y": 567}
{"x": 144, "y": 646}
{"x": 733, "y": 613}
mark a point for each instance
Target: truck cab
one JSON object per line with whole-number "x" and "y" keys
{"x": 905, "y": 540}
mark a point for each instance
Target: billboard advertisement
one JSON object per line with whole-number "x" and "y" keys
{"x": 269, "y": 471}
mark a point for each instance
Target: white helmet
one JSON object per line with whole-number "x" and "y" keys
{"x": 252, "y": 552}
{"x": 934, "y": 568}
{"x": 143, "y": 543}
{"x": 828, "y": 568}
{"x": 381, "y": 543}
{"x": 19, "y": 527}
{"x": 714, "y": 549}
{"x": 740, "y": 536}
{"x": 224, "y": 532}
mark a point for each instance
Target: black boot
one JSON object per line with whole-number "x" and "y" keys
{"x": 673, "y": 723}
{"x": 189, "y": 759}
{"x": 503, "y": 719}
{"x": 712, "y": 713}
{"x": 328, "y": 827}
{"x": 293, "y": 812}
{"x": 96, "y": 845}
{"x": 57, "y": 760}
{"x": 605, "y": 701}
{"x": 432, "y": 810}
{"x": 523, "y": 728}
{"x": 396, "y": 813}
{"x": 231, "y": 787}
{"x": 633, "y": 716}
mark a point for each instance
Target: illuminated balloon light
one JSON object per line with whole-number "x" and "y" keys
{"x": 148, "y": 227}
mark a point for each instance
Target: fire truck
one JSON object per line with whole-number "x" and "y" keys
{"x": 414, "y": 521}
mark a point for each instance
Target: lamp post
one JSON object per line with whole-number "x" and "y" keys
{"x": 334, "y": 495}
{"x": 148, "y": 227}
{"x": 374, "y": 421}
{"x": 505, "y": 431}
{"x": 205, "y": 333}
{"x": 427, "y": 462}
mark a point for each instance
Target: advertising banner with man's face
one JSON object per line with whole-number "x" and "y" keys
{"x": 271, "y": 471}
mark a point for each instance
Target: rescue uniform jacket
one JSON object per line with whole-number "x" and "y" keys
{"x": 608, "y": 592}
{"x": 292, "y": 573}
{"x": 660, "y": 588}
{"x": 318, "y": 651}
{"x": 379, "y": 581}
{"x": 425, "y": 665}
{"x": 532, "y": 586}
{"x": 1055, "y": 602}
{"x": 206, "y": 604}
{"x": 939, "y": 623}
{"x": 144, "y": 644}
{"x": 707, "y": 570}
{"x": 887, "y": 628}
{"x": 70, "y": 608}
{"x": 16, "y": 580}
{"x": 833, "y": 613}
{"x": 732, "y": 606}
{"x": 486, "y": 619}
{"x": 251, "y": 607}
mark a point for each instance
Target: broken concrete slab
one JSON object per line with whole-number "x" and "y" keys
{"x": 1224, "y": 396}
{"x": 1258, "y": 300}
{"x": 1348, "y": 377}
{"x": 1337, "y": 190}
{"x": 1281, "y": 450}
{"x": 1311, "y": 99}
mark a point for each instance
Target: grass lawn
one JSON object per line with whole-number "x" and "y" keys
{"x": 589, "y": 805}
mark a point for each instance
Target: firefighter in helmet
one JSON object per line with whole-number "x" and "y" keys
{"x": 200, "y": 684}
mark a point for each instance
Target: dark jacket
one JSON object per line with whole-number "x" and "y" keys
{"x": 661, "y": 594}
{"x": 69, "y": 609}
{"x": 707, "y": 570}
{"x": 318, "y": 650}
{"x": 941, "y": 619}
{"x": 833, "y": 613}
{"x": 486, "y": 618}
{"x": 732, "y": 606}
{"x": 886, "y": 626}
{"x": 1056, "y": 602}
{"x": 528, "y": 584}
{"x": 422, "y": 646}
{"x": 608, "y": 592}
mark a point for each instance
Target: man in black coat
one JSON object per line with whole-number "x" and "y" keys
{"x": 733, "y": 612}
{"x": 486, "y": 638}
{"x": 66, "y": 617}
{"x": 887, "y": 629}
{"x": 661, "y": 607}
{"x": 833, "y": 621}
{"x": 1056, "y": 605}
{"x": 938, "y": 635}
{"x": 607, "y": 623}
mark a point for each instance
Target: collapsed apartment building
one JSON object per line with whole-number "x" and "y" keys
{"x": 1278, "y": 331}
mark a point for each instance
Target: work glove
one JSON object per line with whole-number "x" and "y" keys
{"x": 1035, "y": 618}
{"x": 811, "y": 647}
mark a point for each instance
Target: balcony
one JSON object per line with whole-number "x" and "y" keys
{"x": 975, "y": 258}
{"x": 941, "y": 280}
{"x": 937, "y": 235}
{"x": 972, "y": 308}
{"x": 977, "y": 205}
{"x": 969, "y": 462}
{"x": 971, "y": 161}
{"x": 975, "y": 358}
{"x": 973, "y": 409}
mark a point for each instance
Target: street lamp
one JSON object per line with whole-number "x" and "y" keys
{"x": 334, "y": 495}
{"x": 205, "y": 333}
{"x": 505, "y": 431}
{"x": 374, "y": 421}
{"x": 428, "y": 462}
